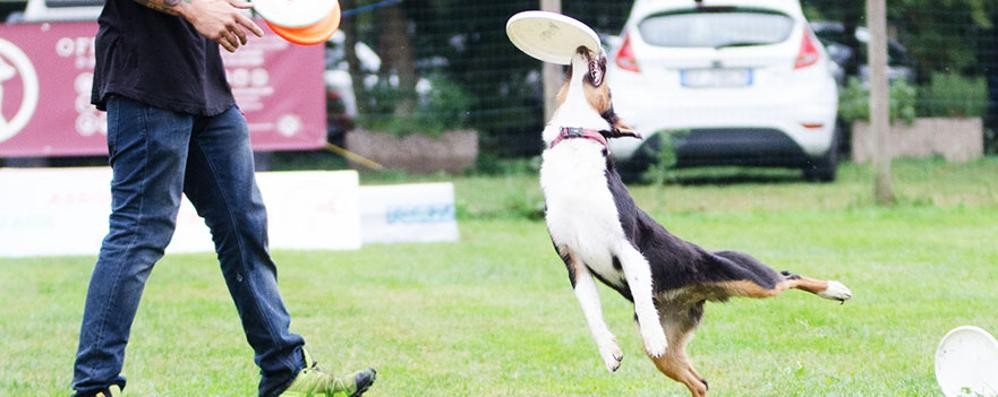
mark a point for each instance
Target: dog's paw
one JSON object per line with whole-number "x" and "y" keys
{"x": 612, "y": 356}
{"x": 836, "y": 291}
{"x": 654, "y": 339}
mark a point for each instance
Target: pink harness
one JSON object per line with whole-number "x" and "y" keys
{"x": 574, "y": 132}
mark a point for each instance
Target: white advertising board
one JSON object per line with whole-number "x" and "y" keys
{"x": 46, "y": 212}
{"x": 408, "y": 213}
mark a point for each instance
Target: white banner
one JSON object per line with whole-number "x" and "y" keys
{"x": 408, "y": 213}
{"x": 45, "y": 212}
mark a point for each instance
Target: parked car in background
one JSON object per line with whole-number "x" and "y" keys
{"x": 849, "y": 53}
{"x": 736, "y": 82}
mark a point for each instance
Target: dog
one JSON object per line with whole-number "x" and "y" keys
{"x": 600, "y": 233}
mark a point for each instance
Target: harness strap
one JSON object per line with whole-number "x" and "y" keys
{"x": 575, "y": 132}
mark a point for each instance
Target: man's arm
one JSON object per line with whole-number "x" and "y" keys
{"x": 167, "y": 6}
{"x": 219, "y": 20}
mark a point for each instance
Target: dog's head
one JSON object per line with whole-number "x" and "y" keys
{"x": 597, "y": 92}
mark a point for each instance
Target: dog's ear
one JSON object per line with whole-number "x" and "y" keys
{"x": 618, "y": 128}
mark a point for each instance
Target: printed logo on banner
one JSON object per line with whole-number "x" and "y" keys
{"x": 82, "y": 51}
{"x": 429, "y": 213}
{"x": 16, "y": 67}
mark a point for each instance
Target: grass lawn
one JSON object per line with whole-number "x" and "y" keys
{"x": 494, "y": 315}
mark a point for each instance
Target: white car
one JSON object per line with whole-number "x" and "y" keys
{"x": 731, "y": 82}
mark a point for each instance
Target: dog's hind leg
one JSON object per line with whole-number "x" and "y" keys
{"x": 679, "y": 323}
{"x": 746, "y": 276}
{"x": 588, "y": 296}
{"x": 639, "y": 280}
{"x": 828, "y": 289}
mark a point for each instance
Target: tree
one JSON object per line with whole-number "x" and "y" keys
{"x": 876, "y": 13}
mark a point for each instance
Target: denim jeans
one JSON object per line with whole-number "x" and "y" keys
{"x": 156, "y": 155}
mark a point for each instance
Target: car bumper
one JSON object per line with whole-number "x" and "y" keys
{"x": 740, "y": 146}
{"x": 805, "y": 114}
{"x": 763, "y": 147}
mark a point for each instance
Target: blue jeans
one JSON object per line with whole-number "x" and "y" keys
{"x": 157, "y": 155}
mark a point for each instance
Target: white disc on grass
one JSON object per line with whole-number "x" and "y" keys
{"x": 967, "y": 363}
{"x": 549, "y": 36}
{"x": 293, "y": 13}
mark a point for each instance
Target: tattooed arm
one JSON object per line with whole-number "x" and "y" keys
{"x": 167, "y": 6}
{"x": 219, "y": 20}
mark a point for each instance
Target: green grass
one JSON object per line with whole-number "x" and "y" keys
{"x": 494, "y": 315}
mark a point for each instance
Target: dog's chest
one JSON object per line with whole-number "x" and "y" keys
{"x": 581, "y": 214}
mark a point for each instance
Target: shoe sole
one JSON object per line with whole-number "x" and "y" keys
{"x": 362, "y": 388}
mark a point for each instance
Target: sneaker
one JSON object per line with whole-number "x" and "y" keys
{"x": 112, "y": 391}
{"x": 314, "y": 382}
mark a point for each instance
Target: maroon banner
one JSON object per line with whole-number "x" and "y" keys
{"x": 46, "y": 72}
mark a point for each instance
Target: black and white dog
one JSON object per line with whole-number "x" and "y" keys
{"x": 599, "y": 232}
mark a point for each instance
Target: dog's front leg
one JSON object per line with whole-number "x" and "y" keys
{"x": 638, "y": 274}
{"x": 588, "y": 296}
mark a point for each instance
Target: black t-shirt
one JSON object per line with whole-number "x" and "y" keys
{"x": 157, "y": 59}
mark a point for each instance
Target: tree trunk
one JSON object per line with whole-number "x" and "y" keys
{"x": 397, "y": 56}
{"x": 876, "y": 12}
{"x": 349, "y": 29}
{"x": 551, "y": 72}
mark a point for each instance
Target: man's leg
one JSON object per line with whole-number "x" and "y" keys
{"x": 221, "y": 184}
{"x": 148, "y": 155}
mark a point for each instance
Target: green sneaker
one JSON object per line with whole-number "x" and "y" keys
{"x": 314, "y": 382}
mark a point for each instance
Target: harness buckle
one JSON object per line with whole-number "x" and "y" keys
{"x": 573, "y": 132}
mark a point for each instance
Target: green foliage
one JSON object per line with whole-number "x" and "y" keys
{"x": 854, "y": 102}
{"x": 953, "y": 95}
{"x": 664, "y": 158}
{"x": 939, "y": 35}
{"x": 445, "y": 107}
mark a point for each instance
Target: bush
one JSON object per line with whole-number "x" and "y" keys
{"x": 664, "y": 159}
{"x": 444, "y": 107}
{"x": 952, "y": 95}
{"x": 854, "y": 102}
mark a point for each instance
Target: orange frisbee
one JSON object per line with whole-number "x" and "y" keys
{"x": 315, "y": 33}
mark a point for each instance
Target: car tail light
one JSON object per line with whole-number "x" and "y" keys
{"x": 625, "y": 56}
{"x": 808, "y": 54}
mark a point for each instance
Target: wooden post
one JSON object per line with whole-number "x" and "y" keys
{"x": 551, "y": 72}
{"x": 876, "y": 18}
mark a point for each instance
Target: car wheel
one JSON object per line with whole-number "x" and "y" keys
{"x": 824, "y": 168}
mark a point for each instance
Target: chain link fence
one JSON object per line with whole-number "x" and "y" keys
{"x": 429, "y": 66}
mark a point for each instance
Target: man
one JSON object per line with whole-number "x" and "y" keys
{"x": 173, "y": 128}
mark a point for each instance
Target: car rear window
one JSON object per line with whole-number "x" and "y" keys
{"x": 716, "y": 27}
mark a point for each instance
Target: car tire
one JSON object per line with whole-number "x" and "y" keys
{"x": 824, "y": 168}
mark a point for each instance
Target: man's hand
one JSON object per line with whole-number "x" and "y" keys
{"x": 218, "y": 20}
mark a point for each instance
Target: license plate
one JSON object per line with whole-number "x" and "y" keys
{"x": 709, "y": 78}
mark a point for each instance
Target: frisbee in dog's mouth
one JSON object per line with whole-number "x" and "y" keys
{"x": 549, "y": 36}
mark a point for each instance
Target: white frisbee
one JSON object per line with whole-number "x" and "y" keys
{"x": 293, "y": 13}
{"x": 549, "y": 36}
{"x": 967, "y": 362}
